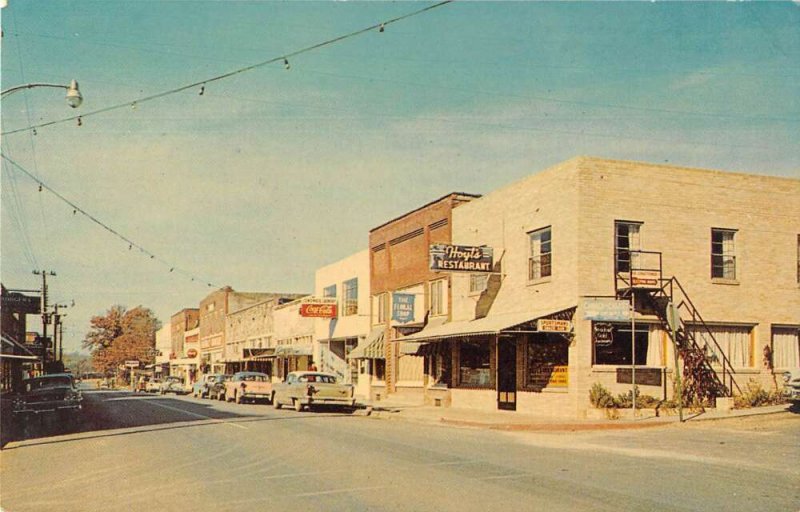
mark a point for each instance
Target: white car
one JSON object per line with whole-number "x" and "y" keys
{"x": 173, "y": 384}
{"x": 791, "y": 385}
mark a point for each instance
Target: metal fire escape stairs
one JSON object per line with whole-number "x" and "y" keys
{"x": 707, "y": 371}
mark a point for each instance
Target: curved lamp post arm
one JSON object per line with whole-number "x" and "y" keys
{"x": 74, "y": 98}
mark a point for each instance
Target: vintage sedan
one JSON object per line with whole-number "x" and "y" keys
{"x": 174, "y": 384}
{"x": 248, "y": 386}
{"x": 46, "y": 393}
{"x": 152, "y": 386}
{"x": 202, "y": 387}
{"x": 310, "y": 389}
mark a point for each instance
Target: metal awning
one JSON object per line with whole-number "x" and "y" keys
{"x": 18, "y": 350}
{"x": 259, "y": 354}
{"x": 293, "y": 350}
{"x": 372, "y": 347}
{"x": 489, "y": 325}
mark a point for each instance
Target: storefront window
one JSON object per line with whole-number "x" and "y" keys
{"x": 615, "y": 349}
{"x": 474, "y": 364}
{"x": 547, "y": 361}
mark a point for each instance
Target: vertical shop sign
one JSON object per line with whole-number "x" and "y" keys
{"x": 403, "y": 307}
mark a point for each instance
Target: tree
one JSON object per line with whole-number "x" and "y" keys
{"x": 121, "y": 335}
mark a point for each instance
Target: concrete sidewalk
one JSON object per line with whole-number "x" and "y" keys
{"x": 513, "y": 421}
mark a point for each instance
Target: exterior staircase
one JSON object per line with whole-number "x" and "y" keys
{"x": 707, "y": 371}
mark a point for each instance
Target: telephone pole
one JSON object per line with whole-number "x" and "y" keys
{"x": 45, "y": 314}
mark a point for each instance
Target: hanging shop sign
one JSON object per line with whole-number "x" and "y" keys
{"x": 551, "y": 325}
{"x": 606, "y": 309}
{"x": 19, "y": 303}
{"x": 461, "y": 258}
{"x": 132, "y": 364}
{"x": 318, "y": 307}
{"x": 603, "y": 333}
{"x": 191, "y": 353}
{"x": 403, "y": 307}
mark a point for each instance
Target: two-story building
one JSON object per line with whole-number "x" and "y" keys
{"x": 589, "y": 255}
{"x": 405, "y": 294}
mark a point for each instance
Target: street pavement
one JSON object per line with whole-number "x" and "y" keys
{"x": 141, "y": 453}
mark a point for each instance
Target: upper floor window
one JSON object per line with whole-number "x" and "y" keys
{"x": 350, "y": 296}
{"x": 540, "y": 259}
{"x": 381, "y": 307}
{"x": 477, "y": 282}
{"x": 627, "y": 238}
{"x": 723, "y": 255}
{"x": 329, "y": 291}
{"x": 438, "y": 297}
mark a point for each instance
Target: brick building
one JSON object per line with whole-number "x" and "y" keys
{"x": 400, "y": 278}
{"x": 724, "y": 246}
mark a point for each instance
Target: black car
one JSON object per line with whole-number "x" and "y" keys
{"x": 54, "y": 392}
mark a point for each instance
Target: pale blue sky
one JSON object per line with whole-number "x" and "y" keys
{"x": 273, "y": 173}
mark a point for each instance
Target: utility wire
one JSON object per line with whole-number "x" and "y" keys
{"x": 131, "y": 243}
{"x": 201, "y": 83}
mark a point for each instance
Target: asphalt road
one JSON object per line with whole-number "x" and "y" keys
{"x": 142, "y": 453}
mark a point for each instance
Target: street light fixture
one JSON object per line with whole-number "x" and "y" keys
{"x": 74, "y": 97}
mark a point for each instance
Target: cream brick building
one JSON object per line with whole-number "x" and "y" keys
{"x": 561, "y": 237}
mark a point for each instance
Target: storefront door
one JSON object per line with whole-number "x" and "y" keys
{"x": 506, "y": 374}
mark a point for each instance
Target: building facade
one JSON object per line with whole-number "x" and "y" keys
{"x": 346, "y": 281}
{"x": 163, "y": 349}
{"x": 294, "y": 339}
{"x": 405, "y": 294}
{"x": 574, "y": 245}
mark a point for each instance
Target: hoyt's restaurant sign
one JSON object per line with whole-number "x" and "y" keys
{"x": 318, "y": 307}
{"x": 461, "y": 258}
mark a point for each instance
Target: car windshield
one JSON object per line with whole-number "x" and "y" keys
{"x": 51, "y": 382}
{"x": 318, "y": 377}
{"x": 254, "y": 378}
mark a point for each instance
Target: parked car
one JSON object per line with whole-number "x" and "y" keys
{"x": 248, "y": 386}
{"x": 54, "y": 392}
{"x": 201, "y": 388}
{"x": 152, "y": 386}
{"x": 217, "y": 390}
{"x": 791, "y": 385}
{"x": 310, "y": 389}
{"x": 174, "y": 384}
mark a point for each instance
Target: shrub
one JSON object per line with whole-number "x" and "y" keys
{"x": 600, "y": 397}
{"x": 756, "y": 396}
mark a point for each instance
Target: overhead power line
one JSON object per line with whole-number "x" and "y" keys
{"x": 284, "y": 59}
{"x": 131, "y": 244}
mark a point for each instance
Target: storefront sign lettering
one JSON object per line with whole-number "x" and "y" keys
{"x": 646, "y": 279}
{"x": 19, "y": 303}
{"x": 403, "y": 307}
{"x": 318, "y": 307}
{"x": 603, "y": 334}
{"x": 606, "y": 309}
{"x": 551, "y": 325}
{"x": 461, "y": 258}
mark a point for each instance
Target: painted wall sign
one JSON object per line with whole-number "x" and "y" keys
{"x": 550, "y": 325}
{"x": 19, "y": 303}
{"x": 461, "y": 258}
{"x": 403, "y": 307}
{"x": 606, "y": 309}
{"x": 318, "y": 307}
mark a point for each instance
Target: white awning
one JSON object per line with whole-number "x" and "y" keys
{"x": 488, "y": 325}
{"x": 293, "y": 350}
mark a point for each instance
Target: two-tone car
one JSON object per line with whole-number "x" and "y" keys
{"x": 306, "y": 390}
{"x": 47, "y": 393}
{"x": 202, "y": 387}
{"x": 248, "y": 386}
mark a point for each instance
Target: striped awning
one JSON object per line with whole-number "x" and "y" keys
{"x": 372, "y": 347}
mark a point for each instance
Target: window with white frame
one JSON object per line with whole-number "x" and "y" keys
{"x": 540, "y": 259}
{"x": 438, "y": 296}
{"x": 350, "y": 296}
{"x": 786, "y": 347}
{"x": 477, "y": 282}
{"x": 329, "y": 291}
{"x": 723, "y": 255}
{"x": 627, "y": 240}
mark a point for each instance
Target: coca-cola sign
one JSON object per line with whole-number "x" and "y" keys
{"x": 318, "y": 308}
